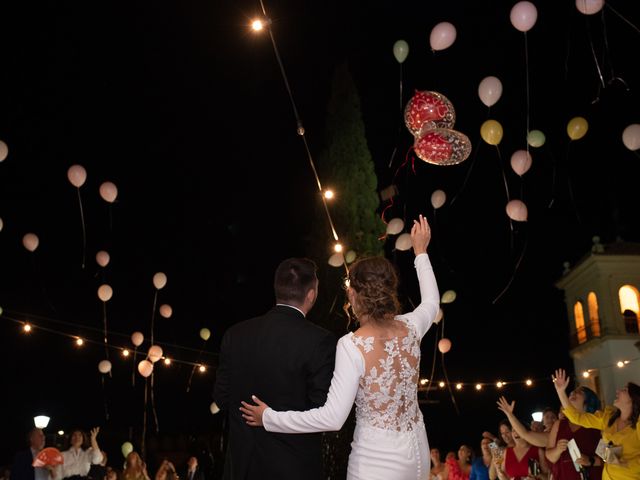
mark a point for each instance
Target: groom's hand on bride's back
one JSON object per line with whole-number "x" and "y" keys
{"x": 252, "y": 414}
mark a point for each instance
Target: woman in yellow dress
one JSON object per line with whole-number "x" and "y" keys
{"x": 619, "y": 425}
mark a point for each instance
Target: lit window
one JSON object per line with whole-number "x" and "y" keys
{"x": 578, "y": 313}
{"x": 594, "y": 319}
{"x": 629, "y": 307}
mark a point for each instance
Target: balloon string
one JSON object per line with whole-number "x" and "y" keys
{"x": 104, "y": 397}
{"x": 106, "y": 342}
{"x": 528, "y": 94}
{"x": 504, "y": 175}
{"x": 144, "y": 418}
{"x": 153, "y": 313}
{"x": 195, "y": 365}
{"x": 607, "y": 53}
{"x": 513, "y": 275}
{"x": 595, "y": 58}
{"x": 621, "y": 17}
{"x": 133, "y": 367}
{"x": 84, "y": 229}
{"x": 468, "y": 175}
{"x": 446, "y": 379}
{"x": 153, "y": 404}
{"x": 433, "y": 365}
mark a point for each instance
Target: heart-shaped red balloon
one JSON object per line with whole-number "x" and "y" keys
{"x": 442, "y": 146}
{"x": 428, "y": 110}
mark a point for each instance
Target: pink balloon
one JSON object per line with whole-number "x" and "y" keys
{"x": 523, "y": 16}
{"x": 438, "y": 198}
{"x": 30, "y": 241}
{"x": 155, "y": 353}
{"x": 4, "y": 151}
{"x": 159, "y": 280}
{"x": 589, "y": 7}
{"x": 105, "y": 292}
{"x": 102, "y": 258}
{"x": 108, "y": 192}
{"x": 521, "y": 162}
{"x": 77, "y": 175}
{"x": 442, "y": 36}
{"x": 444, "y": 345}
{"x": 490, "y": 90}
{"x": 517, "y": 211}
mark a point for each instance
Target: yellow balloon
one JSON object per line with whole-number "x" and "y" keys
{"x": 577, "y": 128}
{"x": 491, "y": 132}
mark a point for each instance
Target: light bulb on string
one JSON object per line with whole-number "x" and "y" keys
{"x": 167, "y": 361}
{"x": 79, "y": 341}
{"x": 441, "y": 384}
{"x": 202, "y": 368}
{"x": 500, "y": 384}
{"x": 424, "y": 381}
{"x": 459, "y": 386}
{"x": 479, "y": 386}
{"x": 337, "y": 247}
{"x": 27, "y": 328}
{"x": 328, "y": 194}
{"x": 528, "y": 382}
{"x": 125, "y": 352}
{"x": 620, "y": 364}
{"x": 585, "y": 374}
{"x": 259, "y": 24}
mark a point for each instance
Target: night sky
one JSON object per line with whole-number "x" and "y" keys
{"x": 185, "y": 110}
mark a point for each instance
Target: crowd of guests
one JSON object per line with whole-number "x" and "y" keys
{"x": 581, "y": 441}
{"x": 84, "y": 460}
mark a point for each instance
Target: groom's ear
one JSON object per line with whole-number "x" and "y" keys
{"x": 312, "y": 294}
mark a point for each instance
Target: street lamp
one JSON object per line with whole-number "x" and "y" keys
{"x": 41, "y": 421}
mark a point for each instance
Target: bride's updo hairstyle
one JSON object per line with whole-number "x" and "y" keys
{"x": 375, "y": 281}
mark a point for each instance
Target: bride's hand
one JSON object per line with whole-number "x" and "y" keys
{"x": 253, "y": 413}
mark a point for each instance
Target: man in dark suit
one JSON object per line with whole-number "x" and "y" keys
{"x": 288, "y": 362}
{"x": 22, "y": 468}
{"x": 193, "y": 471}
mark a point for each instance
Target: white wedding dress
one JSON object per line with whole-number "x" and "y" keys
{"x": 381, "y": 375}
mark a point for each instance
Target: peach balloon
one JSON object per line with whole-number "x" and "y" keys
{"x": 1, "y": 224}
{"x": 155, "y": 353}
{"x": 166, "y": 311}
{"x": 490, "y": 90}
{"x": 108, "y": 192}
{"x": 438, "y": 198}
{"x": 159, "y": 280}
{"x": 145, "y": 367}
{"x": 395, "y": 226}
{"x": 439, "y": 316}
{"x": 102, "y": 258}
{"x": 630, "y": 138}
{"x": 105, "y": 292}
{"x": 336, "y": 260}
{"x": 104, "y": 366}
{"x": 77, "y": 175}
{"x": 137, "y": 338}
{"x": 444, "y": 345}
{"x": 31, "y": 242}
{"x": 521, "y": 162}
{"x": 517, "y": 211}
{"x": 403, "y": 242}
{"x": 4, "y": 151}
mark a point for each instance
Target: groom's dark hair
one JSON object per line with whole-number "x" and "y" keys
{"x": 293, "y": 279}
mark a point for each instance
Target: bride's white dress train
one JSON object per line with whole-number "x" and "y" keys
{"x": 381, "y": 375}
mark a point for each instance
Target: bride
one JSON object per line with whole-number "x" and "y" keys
{"x": 378, "y": 367}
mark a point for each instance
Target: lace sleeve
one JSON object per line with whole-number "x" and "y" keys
{"x": 331, "y": 416}
{"x": 422, "y": 317}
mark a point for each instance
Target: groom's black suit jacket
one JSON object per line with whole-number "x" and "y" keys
{"x": 287, "y": 362}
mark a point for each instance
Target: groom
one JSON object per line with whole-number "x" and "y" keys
{"x": 289, "y": 360}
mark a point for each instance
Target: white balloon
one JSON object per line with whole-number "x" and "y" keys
{"x": 213, "y": 408}
{"x": 524, "y": 15}
{"x": 438, "y": 198}
{"x": 395, "y": 226}
{"x": 109, "y": 192}
{"x": 589, "y": 7}
{"x": 77, "y": 175}
{"x": 155, "y": 353}
{"x": 166, "y": 311}
{"x": 104, "y": 366}
{"x": 403, "y": 242}
{"x": 631, "y": 136}
{"x": 350, "y": 256}
{"x": 336, "y": 260}
{"x": 145, "y": 367}
{"x": 439, "y": 316}
{"x": 137, "y": 338}
{"x": 4, "y": 151}
{"x": 490, "y": 90}
{"x": 448, "y": 297}
{"x": 444, "y": 345}
{"x": 442, "y": 36}
{"x": 521, "y": 162}
{"x": 159, "y": 280}
{"x": 105, "y": 292}
{"x": 517, "y": 211}
{"x": 102, "y": 258}
{"x": 30, "y": 241}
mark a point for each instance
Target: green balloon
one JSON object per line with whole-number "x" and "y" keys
{"x": 400, "y": 50}
{"x": 126, "y": 448}
{"x": 536, "y": 138}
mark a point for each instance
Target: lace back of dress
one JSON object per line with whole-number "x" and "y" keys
{"x": 387, "y": 397}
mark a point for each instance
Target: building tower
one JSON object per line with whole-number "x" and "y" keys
{"x": 602, "y": 294}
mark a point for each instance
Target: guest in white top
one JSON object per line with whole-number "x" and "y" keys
{"x": 77, "y": 461}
